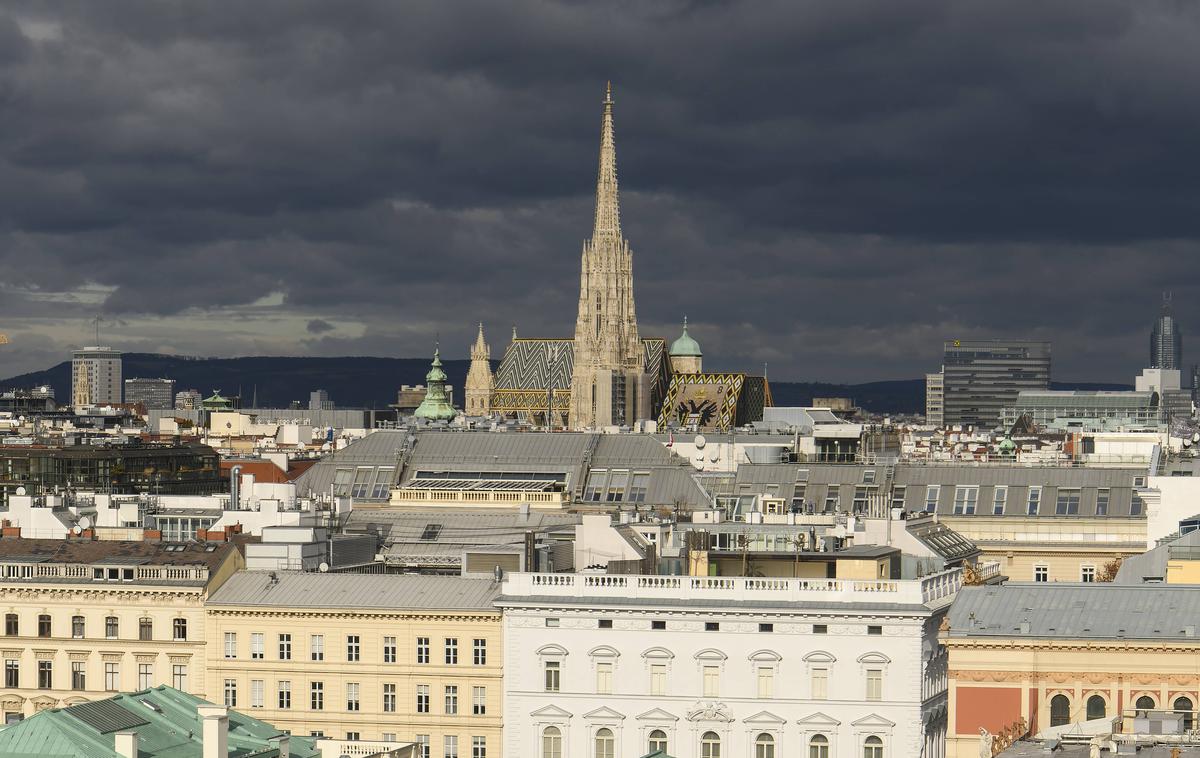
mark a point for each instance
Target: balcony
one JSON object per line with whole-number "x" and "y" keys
{"x": 476, "y": 498}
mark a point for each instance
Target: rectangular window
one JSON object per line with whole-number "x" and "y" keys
{"x": 479, "y": 652}
{"x": 352, "y": 736}
{"x": 112, "y": 677}
{"x": 820, "y": 684}
{"x": 1067, "y": 503}
{"x": 616, "y": 486}
{"x": 999, "y": 497}
{"x": 898, "y": 496}
{"x": 712, "y": 681}
{"x": 316, "y": 696}
{"x": 256, "y": 646}
{"x": 422, "y": 650}
{"x": 285, "y": 694}
{"x": 179, "y": 629}
{"x": 932, "y": 492}
{"x": 1035, "y": 499}
{"x": 389, "y": 698}
{"x": 831, "y": 499}
{"x": 12, "y": 673}
{"x": 1102, "y": 496}
{"x": 875, "y": 630}
{"x": 422, "y": 746}
{"x": 869, "y": 476}
{"x": 422, "y": 698}
{"x": 451, "y": 650}
{"x": 77, "y": 627}
{"x": 316, "y": 647}
{"x": 145, "y": 676}
{"x": 451, "y": 746}
{"x": 389, "y": 649}
{"x": 658, "y": 678}
{"x": 658, "y": 625}
{"x": 553, "y": 673}
{"x": 766, "y": 682}
{"x": 231, "y": 644}
{"x": 1087, "y": 573}
{"x": 451, "y": 700}
{"x": 964, "y": 500}
{"x": 595, "y": 486}
{"x": 479, "y": 701}
{"x": 638, "y": 487}
{"x": 712, "y": 626}
{"x": 78, "y": 675}
{"x": 179, "y": 677}
{"x": 145, "y": 629}
{"x": 352, "y": 699}
{"x": 1041, "y": 573}
{"x": 1135, "y": 505}
{"x": 285, "y": 647}
{"x": 44, "y": 625}
{"x": 766, "y": 627}
{"x": 12, "y": 625}
{"x": 112, "y": 627}
{"x": 861, "y": 497}
{"x": 874, "y": 684}
{"x": 604, "y": 624}
{"x": 45, "y": 675}
{"x": 820, "y": 629}
{"x": 479, "y": 747}
{"x": 231, "y": 693}
{"x": 256, "y": 693}
{"x": 604, "y": 672}
{"x": 353, "y": 648}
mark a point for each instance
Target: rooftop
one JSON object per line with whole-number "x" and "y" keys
{"x": 296, "y": 589}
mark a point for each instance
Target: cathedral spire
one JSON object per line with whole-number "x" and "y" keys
{"x": 608, "y": 211}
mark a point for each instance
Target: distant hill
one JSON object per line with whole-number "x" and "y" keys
{"x": 365, "y": 382}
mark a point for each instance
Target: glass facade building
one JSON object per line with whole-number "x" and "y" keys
{"x": 1166, "y": 341}
{"x": 982, "y": 377}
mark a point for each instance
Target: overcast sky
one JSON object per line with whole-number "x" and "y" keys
{"x": 830, "y": 188}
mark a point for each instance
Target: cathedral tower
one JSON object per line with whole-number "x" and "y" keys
{"x": 479, "y": 378}
{"x": 609, "y": 383}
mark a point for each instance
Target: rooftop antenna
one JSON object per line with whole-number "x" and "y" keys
{"x": 96, "y": 322}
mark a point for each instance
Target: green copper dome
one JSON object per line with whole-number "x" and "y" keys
{"x": 436, "y": 406}
{"x": 685, "y": 346}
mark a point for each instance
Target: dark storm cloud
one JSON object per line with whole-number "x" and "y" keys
{"x": 831, "y": 188}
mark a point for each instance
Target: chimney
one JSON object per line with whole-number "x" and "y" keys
{"x": 126, "y": 744}
{"x": 281, "y": 742}
{"x": 215, "y": 731}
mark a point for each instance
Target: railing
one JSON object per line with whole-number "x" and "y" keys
{"x": 987, "y": 571}
{"x": 930, "y": 589}
{"x": 35, "y": 571}
{"x": 479, "y": 497}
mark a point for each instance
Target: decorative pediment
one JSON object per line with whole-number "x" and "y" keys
{"x": 710, "y": 712}
{"x": 873, "y": 720}
{"x": 658, "y": 653}
{"x": 552, "y": 651}
{"x": 604, "y": 651}
{"x": 74, "y": 700}
{"x": 820, "y": 656}
{"x": 874, "y": 658}
{"x": 604, "y": 714}
{"x": 764, "y": 717}
{"x": 819, "y": 719}
{"x": 657, "y": 714}
{"x": 11, "y": 701}
{"x": 765, "y": 656}
{"x": 42, "y": 702}
{"x": 550, "y": 712}
{"x": 711, "y": 654}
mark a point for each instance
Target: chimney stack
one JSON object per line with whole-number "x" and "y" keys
{"x": 126, "y": 744}
{"x": 282, "y": 742}
{"x": 215, "y": 731}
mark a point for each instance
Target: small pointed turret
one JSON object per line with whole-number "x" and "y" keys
{"x": 436, "y": 405}
{"x": 478, "y": 392}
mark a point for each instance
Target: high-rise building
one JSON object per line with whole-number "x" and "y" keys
{"x": 318, "y": 400}
{"x": 935, "y": 398}
{"x": 95, "y": 376}
{"x": 478, "y": 394}
{"x": 608, "y": 383}
{"x": 153, "y": 394}
{"x": 188, "y": 400}
{"x": 982, "y": 377}
{"x": 1166, "y": 341}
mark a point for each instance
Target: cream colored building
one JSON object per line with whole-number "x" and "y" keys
{"x": 84, "y": 619}
{"x": 368, "y": 657}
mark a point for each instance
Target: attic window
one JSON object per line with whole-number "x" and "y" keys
{"x": 431, "y": 532}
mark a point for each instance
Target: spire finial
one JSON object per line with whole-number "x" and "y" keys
{"x": 608, "y": 213}
{"x": 608, "y": 92}
{"x": 685, "y": 323}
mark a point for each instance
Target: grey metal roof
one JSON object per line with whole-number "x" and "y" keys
{"x": 379, "y": 448}
{"x": 1077, "y": 611}
{"x": 461, "y": 528}
{"x": 1152, "y": 564}
{"x": 296, "y": 589}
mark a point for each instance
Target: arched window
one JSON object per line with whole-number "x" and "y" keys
{"x": 658, "y": 741}
{"x": 1144, "y": 703}
{"x": 710, "y": 745}
{"x": 1183, "y": 706}
{"x": 764, "y": 746}
{"x": 1060, "y": 710}
{"x": 818, "y": 746}
{"x": 873, "y": 747}
{"x": 1096, "y": 707}
{"x": 551, "y": 742}
{"x": 606, "y": 746}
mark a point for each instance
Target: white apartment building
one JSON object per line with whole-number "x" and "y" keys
{"x": 610, "y": 666}
{"x": 95, "y": 376}
{"x": 935, "y": 399}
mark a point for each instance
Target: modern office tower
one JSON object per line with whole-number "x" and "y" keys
{"x": 935, "y": 398}
{"x": 95, "y": 376}
{"x": 188, "y": 400}
{"x": 153, "y": 394}
{"x": 1166, "y": 341}
{"x": 318, "y": 400}
{"x": 981, "y": 377}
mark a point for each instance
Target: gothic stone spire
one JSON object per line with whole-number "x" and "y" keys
{"x": 608, "y": 210}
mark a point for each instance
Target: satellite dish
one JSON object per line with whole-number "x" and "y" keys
{"x": 20, "y": 490}
{"x": 76, "y": 530}
{"x": 1195, "y": 436}
{"x": 323, "y": 567}
{"x": 700, "y": 441}
{"x": 1187, "y": 443}
{"x": 85, "y": 523}
{"x": 714, "y": 456}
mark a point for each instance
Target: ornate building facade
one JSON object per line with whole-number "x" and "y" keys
{"x": 479, "y": 378}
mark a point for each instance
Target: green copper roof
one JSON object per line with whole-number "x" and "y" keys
{"x": 436, "y": 405}
{"x": 685, "y": 346}
{"x": 164, "y": 718}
